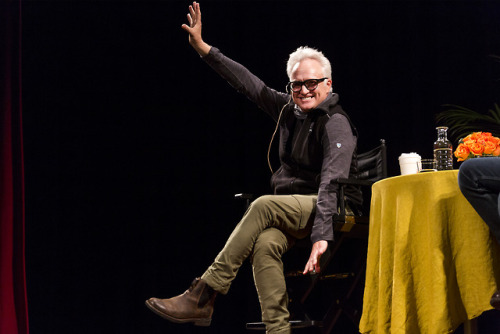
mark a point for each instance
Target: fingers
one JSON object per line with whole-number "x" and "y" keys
{"x": 192, "y": 15}
{"x": 312, "y": 265}
{"x": 311, "y": 268}
{"x": 315, "y": 265}
{"x": 308, "y": 268}
{"x": 198, "y": 11}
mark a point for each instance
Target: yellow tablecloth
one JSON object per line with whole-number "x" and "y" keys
{"x": 432, "y": 263}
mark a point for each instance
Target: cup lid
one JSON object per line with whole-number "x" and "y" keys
{"x": 409, "y": 155}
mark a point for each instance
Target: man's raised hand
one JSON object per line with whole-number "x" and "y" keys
{"x": 194, "y": 30}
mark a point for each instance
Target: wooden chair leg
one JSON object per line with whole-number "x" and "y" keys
{"x": 470, "y": 326}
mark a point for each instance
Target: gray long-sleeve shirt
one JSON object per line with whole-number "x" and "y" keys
{"x": 315, "y": 147}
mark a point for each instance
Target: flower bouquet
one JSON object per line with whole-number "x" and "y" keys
{"x": 478, "y": 144}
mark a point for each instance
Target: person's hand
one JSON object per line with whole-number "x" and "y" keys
{"x": 194, "y": 30}
{"x": 318, "y": 248}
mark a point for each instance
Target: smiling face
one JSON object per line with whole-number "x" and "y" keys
{"x": 310, "y": 69}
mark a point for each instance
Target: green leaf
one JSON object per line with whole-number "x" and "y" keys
{"x": 462, "y": 121}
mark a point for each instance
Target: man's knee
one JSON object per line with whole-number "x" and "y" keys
{"x": 262, "y": 203}
{"x": 271, "y": 243}
{"x": 465, "y": 175}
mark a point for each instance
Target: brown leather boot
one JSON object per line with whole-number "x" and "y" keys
{"x": 195, "y": 305}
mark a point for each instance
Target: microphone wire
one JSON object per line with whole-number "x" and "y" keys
{"x": 274, "y": 133}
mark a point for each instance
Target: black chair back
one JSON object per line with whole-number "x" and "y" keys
{"x": 372, "y": 165}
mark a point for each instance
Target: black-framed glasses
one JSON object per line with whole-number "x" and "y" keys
{"x": 310, "y": 84}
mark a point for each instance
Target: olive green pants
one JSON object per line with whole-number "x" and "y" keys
{"x": 265, "y": 233}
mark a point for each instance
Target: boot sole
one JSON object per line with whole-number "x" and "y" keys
{"x": 204, "y": 322}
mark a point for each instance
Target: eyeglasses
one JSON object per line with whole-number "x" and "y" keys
{"x": 310, "y": 84}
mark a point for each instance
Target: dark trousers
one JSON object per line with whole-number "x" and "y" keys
{"x": 479, "y": 181}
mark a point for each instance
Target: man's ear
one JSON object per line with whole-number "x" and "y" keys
{"x": 329, "y": 82}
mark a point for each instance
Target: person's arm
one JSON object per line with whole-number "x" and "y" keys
{"x": 338, "y": 147}
{"x": 247, "y": 83}
{"x": 234, "y": 73}
{"x": 194, "y": 30}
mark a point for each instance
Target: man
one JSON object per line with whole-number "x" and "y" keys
{"x": 317, "y": 145}
{"x": 479, "y": 181}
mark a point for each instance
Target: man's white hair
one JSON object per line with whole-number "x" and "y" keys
{"x": 305, "y": 52}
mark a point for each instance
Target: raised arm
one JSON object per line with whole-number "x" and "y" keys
{"x": 194, "y": 30}
{"x": 236, "y": 74}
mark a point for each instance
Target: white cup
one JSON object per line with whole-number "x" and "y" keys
{"x": 408, "y": 163}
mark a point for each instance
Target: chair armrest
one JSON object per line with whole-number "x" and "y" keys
{"x": 244, "y": 196}
{"x": 354, "y": 182}
{"x": 342, "y": 182}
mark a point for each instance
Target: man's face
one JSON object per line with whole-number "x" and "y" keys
{"x": 309, "y": 99}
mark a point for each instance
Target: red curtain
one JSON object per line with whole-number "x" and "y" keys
{"x": 13, "y": 299}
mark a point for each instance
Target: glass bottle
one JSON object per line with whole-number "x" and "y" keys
{"x": 443, "y": 150}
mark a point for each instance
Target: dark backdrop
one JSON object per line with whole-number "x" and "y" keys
{"x": 134, "y": 147}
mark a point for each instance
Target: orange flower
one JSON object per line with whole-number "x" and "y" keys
{"x": 496, "y": 153}
{"x": 462, "y": 152}
{"x": 486, "y": 134}
{"x": 494, "y": 140}
{"x": 489, "y": 147}
{"x": 468, "y": 141}
{"x": 473, "y": 136}
{"x": 478, "y": 144}
{"x": 476, "y": 149}
{"x": 468, "y": 138}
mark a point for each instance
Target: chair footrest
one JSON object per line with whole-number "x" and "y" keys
{"x": 293, "y": 324}
{"x": 337, "y": 276}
